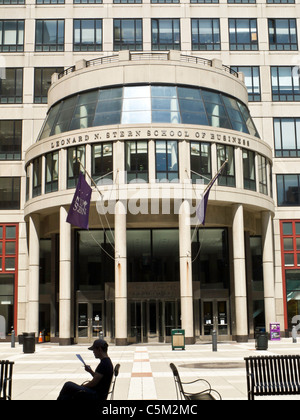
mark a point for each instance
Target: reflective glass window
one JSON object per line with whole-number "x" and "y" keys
{"x": 109, "y": 107}
{"x": 165, "y": 105}
{"x": 166, "y": 161}
{"x": 51, "y": 182}
{"x": 200, "y": 162}
{"x": 136, "y": 155}
{"x": 148, "y": 104}
{"x": 128, "y": 34}
{"x": 84, "y": 111}
{"x": 102, "y": 162}
{"x": 227, "y": 177}
{"x": 136, "y": 105}
{"x": 249, "y": 170}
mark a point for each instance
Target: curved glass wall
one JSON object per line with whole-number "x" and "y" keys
{"x": 148, "y": 104}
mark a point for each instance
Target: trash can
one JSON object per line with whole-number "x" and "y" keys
{"x": 262, "y": 339}
{"x": 178, "y": 339}
{"x": 28, "y": 342}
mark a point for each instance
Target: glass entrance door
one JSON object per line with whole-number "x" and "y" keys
{"x": 215, "y": 316}
{"x": 90, "y": 321}
{"x": 152, "y": 320}
{"x": 137, "y": 322}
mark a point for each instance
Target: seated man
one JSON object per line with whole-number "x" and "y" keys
{"x": 96, "y": 389}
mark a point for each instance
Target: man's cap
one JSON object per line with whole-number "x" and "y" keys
{"x": 99, "y": 343}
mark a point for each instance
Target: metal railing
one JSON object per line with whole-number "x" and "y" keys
{"x": 141, "y": 56}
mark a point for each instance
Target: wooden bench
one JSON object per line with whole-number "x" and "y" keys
{"x": 273, "y": 375}
{"x": 206, "y": 394}
{"x": 6, "y": 370}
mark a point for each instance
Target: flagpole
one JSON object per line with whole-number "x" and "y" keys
{"x": 93, "y": 182}
{"x": 215, "y": 177}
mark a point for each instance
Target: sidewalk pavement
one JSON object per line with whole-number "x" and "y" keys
{"x": 144, "y": 374}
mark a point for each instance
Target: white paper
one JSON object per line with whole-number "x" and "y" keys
{"x": 80, "y": 358}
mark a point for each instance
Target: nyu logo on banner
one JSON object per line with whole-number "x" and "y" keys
{"x": 79, "y": 211}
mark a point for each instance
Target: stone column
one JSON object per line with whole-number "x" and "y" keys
{"x": 120, "y": 274}
{"x": 34, "y": 268}
{"x": 64, "y": 279}
{"x": 268, "y": 269}
{"x": 186, "y": 281}
{"x": 241, "y": 318}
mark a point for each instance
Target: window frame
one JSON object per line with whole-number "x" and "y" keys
{"x": 156, "y": 34}
{"x": 235, "y": 43}
{"x": 41, "y": 45}
{"x": 96, "y": 45}
{"x": 18, "y": 46}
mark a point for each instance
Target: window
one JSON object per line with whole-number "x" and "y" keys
{"x": 51, "y": 181}
{"x": 109, "y": 107}
{"x": 128, "y": 34}
{"x": 164, "y": 1}
{"x": 10, "y": 139}
{"x": 87, "y": 35}
{"x": 87, "y": 1}
{"x": 11, "y": 86}
{"x": 241, "y": 1}
{"x": 206, "y": 35}
{"x": 152, "y": 255}
{"x": 249, "y": 170}
{"x": 285, "y": 84}
{"x": 127, "y": 1}
{"x": 42, "y": 82}
{"x": 243, "y": 34}
{"x": 287, "y": 137}
{"x": 76, "y": 160}
{"x": 10, "y": 193}
{"x": 216, "y": 113}
{"x": 164, "y": 105}
{"x": 64, "y": 116}
{"x": 83, "y": 114}
{"x": 283, "y": 34}
{"x": 262, "y": 174}
{"x": 227, "y": 177}
{"x": 136, "y": 105}
{"x": 165, "y": 34}
{"x": 166, "y": 153}
{"x": 288, "y": 190}
{"x": 50, "y": 1}
{"x": 290, "y": 252}
{"x": 8, "y": 272}
{"x": 102, "y": 162}
{"x": 205, "y": 1}
{"x": 37, "y": 177}
{"x": 200, "y": 162}
{"x": 214, "y": 275}
{"x": 280, "y": 1}
{"x": 136, "y": 161}
{"x": 49, "y": 35}
{"x": 14, "y": 2}
{"x": 11, "y": 35}
{"x": 145, "y": 104}
{"x": 252, "y": 81}
{"x": 192, "y": 106}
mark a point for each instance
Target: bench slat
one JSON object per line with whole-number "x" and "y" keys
{"x": 6, "y": 370}
{"x": 273, "y": 375}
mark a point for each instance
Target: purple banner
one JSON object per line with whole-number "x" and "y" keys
{"x": 79, "y": 211}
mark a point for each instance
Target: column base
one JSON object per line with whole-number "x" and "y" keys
{"x": 66, "y": 341}
{"x": 241, "y": 338}
{"x": 190, "y": 340}
{"x": 121, "y": 341}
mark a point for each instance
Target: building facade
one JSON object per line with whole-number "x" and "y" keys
{"x": 151, "y": 98}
